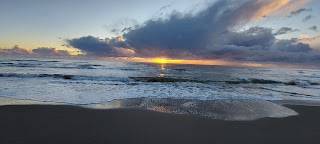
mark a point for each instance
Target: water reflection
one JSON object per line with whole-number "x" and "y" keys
{"x": 162, "y": 70}
{"x": 162, "y": 67}
{"x": 162, "y": 75}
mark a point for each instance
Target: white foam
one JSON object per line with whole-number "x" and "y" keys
{"x": 231, "y": 110}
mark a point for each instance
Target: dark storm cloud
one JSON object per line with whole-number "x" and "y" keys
{"x": 93, "y": 46}
{"x": 291, "y": 45}
{"x": 252, "y": 45}
{"x": 285, "y": 30}
{"x": 37, "y": 52}
{"x": 299, "y": 11}
{"x": 209, "y": 35}
{"x": 307, "y": 18}
{"x": 251, "y": 37}
{"x": 90, "y": 43}
{"x": 186, "y": 32}
{"x": 313, "y": 28}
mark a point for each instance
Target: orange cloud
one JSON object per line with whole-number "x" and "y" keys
{"x": 279, "y": 7}
{"x": 269, "y": 6}
{"x": 292, "y": 5}
{"x": 313, "y": 41}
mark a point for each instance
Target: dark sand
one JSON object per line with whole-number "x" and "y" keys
{"x": 37, "y": 124}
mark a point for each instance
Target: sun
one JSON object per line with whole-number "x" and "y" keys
{"x": 160, "y": 60}
{"x": 165, "y": 60}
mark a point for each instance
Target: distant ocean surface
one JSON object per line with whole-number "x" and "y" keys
{"x": 161, "y": 87}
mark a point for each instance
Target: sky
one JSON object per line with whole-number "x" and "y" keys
{"x": 242, "y": 31}
{"x": 34, "y": 23}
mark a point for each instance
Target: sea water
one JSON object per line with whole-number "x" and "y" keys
{"x": 220, "y": 92}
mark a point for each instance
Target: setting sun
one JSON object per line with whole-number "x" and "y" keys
{"x": 165, "y": 60}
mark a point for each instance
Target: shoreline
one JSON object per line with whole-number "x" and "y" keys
{"x": 231, "y": 110}
{"x": 72, "y": 124}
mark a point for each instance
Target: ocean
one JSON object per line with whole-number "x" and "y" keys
{"x": 218, "y": 92}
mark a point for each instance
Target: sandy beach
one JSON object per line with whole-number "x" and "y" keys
{"x": 71, "y": 124}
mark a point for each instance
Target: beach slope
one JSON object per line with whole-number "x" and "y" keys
{"x": 52, "y": 124}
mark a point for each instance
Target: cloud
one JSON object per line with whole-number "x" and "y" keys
{"x": 16, "y": 50}
{"x": 313, "y": 41}
{"x": 299, "y": 11}
{"x": 291, "y": 6}
{"x": 183, "y": 32}
{"x": 285, "y": 30}
{"x": 93, "y": 46}
{"x": 37, "y": 52}
{"x": 307, "y": 18}
{"x": 291, "y": 45}
{"x": 261, "y": 46}
{"x": 50, "y": 52}
{"x": 307, "y": 37}
{"x": 313, "y": 28}
{"x": 213, "y": 34}
{"x": 266, "y": 7}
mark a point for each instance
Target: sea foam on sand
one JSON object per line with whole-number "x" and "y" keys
{"x": 231, "y": 110}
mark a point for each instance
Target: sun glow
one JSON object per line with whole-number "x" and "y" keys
{"x": 165, "y": 60}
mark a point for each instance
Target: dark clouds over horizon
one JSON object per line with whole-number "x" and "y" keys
{"x": 93, "y": 46}
{"x": 210, "y": 34}
{"x": 37, "y": 52}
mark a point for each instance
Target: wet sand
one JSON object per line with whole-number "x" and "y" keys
{"x": 54, "y": 124}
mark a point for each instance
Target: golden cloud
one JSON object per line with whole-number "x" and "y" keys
{"x": 269, "y": 6}
{"x": 292, "y": 5}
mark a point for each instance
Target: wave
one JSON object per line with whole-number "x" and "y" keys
{"x": 88, "y": 66}
{"x": 33, "y": 60}
{"x": 10, "y": 64}
{"x": 66, "y": 77}
{"x": 43, "y": 64}
{"x": 299, "y": 83}
{"x": 26, "y": 60}
{"x": 52, "y": 61}
{"x": 129, "y": 69}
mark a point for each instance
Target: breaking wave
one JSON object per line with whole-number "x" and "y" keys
{"x": 66, "y": 77}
